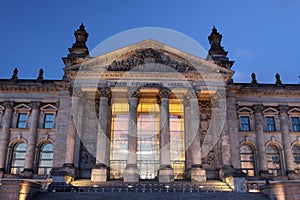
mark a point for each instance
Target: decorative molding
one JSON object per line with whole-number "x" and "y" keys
{"x": 104, "y": 92}
{"x": 270, "y": 110}
{"x": 245, "y": 110}
{"x": 294, "y": 111}
{"x": 22, "y": 107}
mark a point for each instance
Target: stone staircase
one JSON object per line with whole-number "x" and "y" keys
{"x": 146, "y": 190}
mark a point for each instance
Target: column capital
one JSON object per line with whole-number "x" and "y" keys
{"x": 77, "y": 93}
{"x": 35, "y": 104}
{"x": 104, "y": 92}
{"x": 283, "y": 108}
{"x": 8, "y": 104}
{"x": 132, "y": 93}
{"x": 193, "y": 93}
{"x": 258, "y": 108}
{"x": 164, "y": 92}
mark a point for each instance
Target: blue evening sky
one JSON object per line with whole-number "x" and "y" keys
{"x": 260, "y": 36}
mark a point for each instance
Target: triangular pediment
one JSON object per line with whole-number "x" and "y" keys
{"x": 294, "y": 111}
{"x": 148, "y": 52}
{"x": 22, "y": 107}
{"x": 48, "y": 107}
{"x": 245, "y": 110}
{"x": 2, "y": 108}
{"x": 271, "y": 111}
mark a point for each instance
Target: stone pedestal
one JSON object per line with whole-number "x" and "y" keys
{"x": 70, "y": 169}
{"x": 198, "y": 175}
{"x": 99, "y": 174}
{"x": 27, "y": 173}
{"x": 166, "y": 175}
{"x": 131, "y": 173}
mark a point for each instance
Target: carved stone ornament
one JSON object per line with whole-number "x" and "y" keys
{"x": 283, "y": 108}
{"x": 104, "y": 92}
{"x": 8, "y": 104}
{"x": 164, "y": 93}
{"x": 35, "y": 104}
{"x": 149, "y": 56}
{"x": 258, "y": 108}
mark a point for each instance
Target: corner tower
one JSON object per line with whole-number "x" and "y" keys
{"x": 79, "y": 50}
{"x": 216, "y": 52}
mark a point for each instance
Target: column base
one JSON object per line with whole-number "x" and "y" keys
{"x": 99, "y": 173}
{"x": 264, "y": 174}
{"x": 292, "y": 175}
{"x": 198, "y": 174}
{"x": 26, "y": 173}
{"x": 131, "y": 173}
{"x": 166, "y": 174}
{"x": 61, "y": 175}
{"x": 1, "y": 172}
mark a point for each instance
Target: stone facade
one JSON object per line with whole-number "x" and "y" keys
{"x": 241, "y": 133}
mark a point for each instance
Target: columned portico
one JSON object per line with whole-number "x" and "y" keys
{"x": 166, "y": 172}
{"x": 131, "y": 173}
{"x": 258, "y": 117}
{"x": 28, "y": 168}
{"x": 99, "y": 172}
{"x": 5, "y": 134}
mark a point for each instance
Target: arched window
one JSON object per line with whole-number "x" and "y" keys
{"x": 296, "y": 154}
{"x": 18, "y": 158}
{"x": 247, "y": 160}
{"x": 273, "y": 156}
{"x": 45, "y": 159}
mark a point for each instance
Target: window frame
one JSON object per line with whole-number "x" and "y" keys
{"x": 53, "y": 121}
{"x": 13, "y": 158}
{"x": 298, "y": 125}
{"x": 267, "y": 125}
{"x": 278, "y": 171}
{"x": 296, "y": 161}
{"x": 39, "y": 167}
{"x": 23, "y": 121}
{"x": 242, "y": 125}
{"x": 246, "y": 170}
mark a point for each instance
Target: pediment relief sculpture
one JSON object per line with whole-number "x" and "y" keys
{"x": 150, "y": 60}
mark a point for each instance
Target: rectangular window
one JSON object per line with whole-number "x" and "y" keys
{"x": 270, "y": 124}
{"x": 244, "y": 123}
{"x": 49, "y": 120}
{"x": 22, "y": 120}
{"x": 296, "y": 124}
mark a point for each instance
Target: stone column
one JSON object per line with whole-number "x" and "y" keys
{"x": 100, "y": 171}
{"x": 75, "y": 119}
{"x": 261, "y": 148}
{"x": 166, "y": 172}
{"x": 4, "y": 137}
{"x": 131, "y": 173}
{"x": 287, "y": 147}
{"x": 197, "y": 173}
{"x": 29, "y": 160}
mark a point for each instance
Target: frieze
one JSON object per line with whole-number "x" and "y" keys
{"x": 147, "y": 56}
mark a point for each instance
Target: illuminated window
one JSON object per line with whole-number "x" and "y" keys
{"x": 18, "y": 158}
{"x": 296, "y": 154}
{"x": 296, "y": 124}
{"x": 270, "y": 121}
{"x": 244, "y": 123}
{"x": 46, "y": 159}
{"x": 148, "y": 140}
{"x": 119, "y": 140}
{"x": 177, "y": 148}
{"x": 273, "y": 157}
{"x": 22, "y": 120}
{"x": 49, "y": 120}
{"x": 247, "y": 160}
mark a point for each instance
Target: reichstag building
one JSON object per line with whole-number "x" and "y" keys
{"x": 149, "y": 112}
